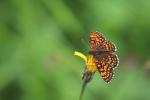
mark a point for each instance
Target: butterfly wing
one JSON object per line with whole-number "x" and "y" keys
{"x": 95, "y": 40}
{"x": 105, "y": 64}
{"x": 109, "y": 58}
{"x": 106, "y": 72}
{"x": 98, "y": 43}
{"x": 107, "y": 46}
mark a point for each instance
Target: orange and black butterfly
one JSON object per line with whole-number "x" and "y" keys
{"x": 104, "y": 56}
{"x": 101, "y": 57}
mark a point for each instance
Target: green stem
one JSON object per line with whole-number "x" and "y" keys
{"x": 83, "y": 89}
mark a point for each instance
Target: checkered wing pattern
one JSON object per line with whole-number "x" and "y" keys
{"x": 105, "y": 64}
{"x": 99, "y": 43}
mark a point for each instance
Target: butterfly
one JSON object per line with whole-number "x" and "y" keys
{"x": 104, "y": 56}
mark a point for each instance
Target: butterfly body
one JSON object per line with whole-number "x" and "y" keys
{"x": 94, "y": 53}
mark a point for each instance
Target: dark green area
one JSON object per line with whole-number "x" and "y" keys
{"x": 38, "y": 39}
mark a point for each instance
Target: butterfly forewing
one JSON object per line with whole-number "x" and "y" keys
{"x": 96, "y": 39}
{"x": 98, "y": 43}
{"x": 107, "y": 46}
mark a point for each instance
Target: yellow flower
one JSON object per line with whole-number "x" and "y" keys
{"x": 89, "y": 61}
{"x": 81, "y": 55}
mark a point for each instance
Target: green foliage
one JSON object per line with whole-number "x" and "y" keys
{"x": 38, "y": 39}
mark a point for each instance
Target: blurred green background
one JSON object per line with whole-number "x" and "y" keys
{"x": 38, "y": 39}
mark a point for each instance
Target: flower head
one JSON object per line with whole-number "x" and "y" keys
{"x": 89, "y": 61}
